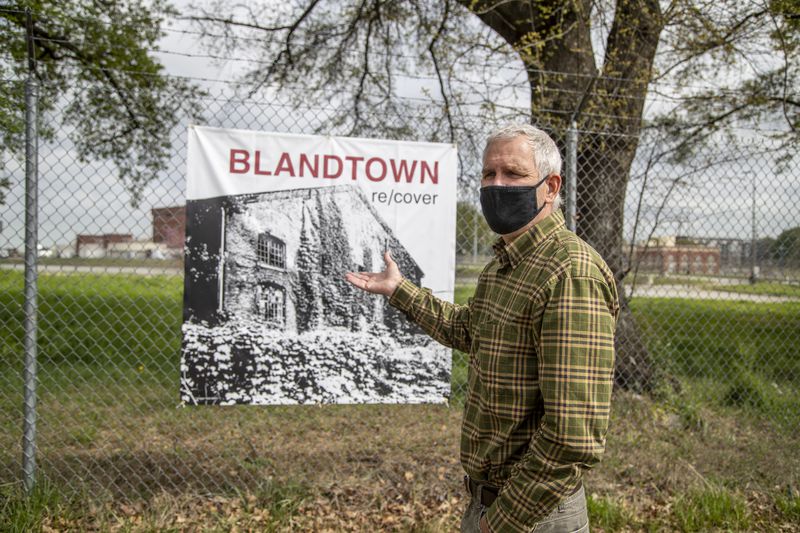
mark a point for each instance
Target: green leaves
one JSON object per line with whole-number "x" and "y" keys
{"x": 735, "y": 65}
{"x": 95, "y": 65}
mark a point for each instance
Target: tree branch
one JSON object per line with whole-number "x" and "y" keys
{"x": 287, "y": 49}
{"x": 432, "y": 50}
{"x": 784, "y": 50}
{"x": 237, "y": 23}
{"x": 92, "y": 63}
{"x": 727, "y": 38}
{"x": 363, "y": 78}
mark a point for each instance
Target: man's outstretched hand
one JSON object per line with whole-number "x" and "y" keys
{"x": 378, "y": 282}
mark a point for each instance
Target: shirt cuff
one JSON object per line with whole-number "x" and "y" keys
{"x": 404, "y": 295}
{"x": 499, "y": 520}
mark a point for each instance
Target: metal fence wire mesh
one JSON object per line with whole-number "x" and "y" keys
{"x": 711, "y": 248}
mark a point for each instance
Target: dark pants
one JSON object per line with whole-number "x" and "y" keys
{"x": 568, "y": 517}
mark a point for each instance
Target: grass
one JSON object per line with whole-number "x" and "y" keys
{"x": 120, "y": 453}
{"x": 393, "y": 468}
{"x": 711, "y": 508}
{"x": 21, "y": 514}
{"x": 269, "y": 507}
{"x": 468, "y": 267}
{"x": 468, "y": 271}
{"x": 740, "y": 355}
{"x": 127, "y": 320}
{"x": 463, "y": 292}
{"x": 789, "y": 507}
{"x": 281, "y": 501}
{"x": 761, "y": 288}
{"x": 607, "y": 514}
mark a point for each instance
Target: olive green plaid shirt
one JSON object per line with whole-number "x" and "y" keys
{"x": 540, "y": 336}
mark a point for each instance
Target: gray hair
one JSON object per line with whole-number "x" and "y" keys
{"x": 546, "y": 156}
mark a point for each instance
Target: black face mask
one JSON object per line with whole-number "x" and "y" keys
{"x": 508, "y": 208}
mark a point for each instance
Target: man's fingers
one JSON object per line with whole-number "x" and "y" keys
{"x": 387, "y": 258}
{"x": 375, "y": 282}
{"x": 362, "y": 280}
{"x": 359, "y": 281}
{"x": 356, "y": 280}
{"x": 368, "y": 276}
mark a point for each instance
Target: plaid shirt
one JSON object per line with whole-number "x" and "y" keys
{"x": 540, "y": 336}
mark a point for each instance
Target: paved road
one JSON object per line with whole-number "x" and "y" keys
{"x": 696, "y": 293}
{"x": 689, "y": 291}
{"x": 92, "y": 269}
{"x": 643, "y": 291}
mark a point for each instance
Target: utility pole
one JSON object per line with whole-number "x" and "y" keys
{"x": 754, "y": 270}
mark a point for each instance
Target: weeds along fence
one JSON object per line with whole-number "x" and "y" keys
{"x": 710, "y": 248}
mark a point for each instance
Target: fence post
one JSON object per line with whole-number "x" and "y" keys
{"x": 31, "y": 256}
{"x": 571, "y": 175}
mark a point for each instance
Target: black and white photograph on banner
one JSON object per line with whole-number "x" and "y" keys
{"x": 274, "y": 222}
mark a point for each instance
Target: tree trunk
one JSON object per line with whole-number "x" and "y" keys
{"x": 606, "y": 162}
{"x": 553, "y": 40}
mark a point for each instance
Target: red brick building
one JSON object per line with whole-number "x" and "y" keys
{"x": 97, "y": 245}
{"x": 169, "y": 226}
{"x": 679, "y": 259}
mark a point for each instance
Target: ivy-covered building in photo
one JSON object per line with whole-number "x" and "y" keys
{"x": 286, "y": 254}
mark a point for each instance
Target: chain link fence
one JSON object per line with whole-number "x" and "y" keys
{"x": 709, "y": 249}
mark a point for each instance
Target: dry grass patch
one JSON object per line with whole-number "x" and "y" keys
{"x": 395, "y": 468}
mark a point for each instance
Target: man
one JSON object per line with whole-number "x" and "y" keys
{"x": 540, "y": 336}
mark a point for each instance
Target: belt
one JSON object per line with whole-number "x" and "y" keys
{"x": 487, "y": 494}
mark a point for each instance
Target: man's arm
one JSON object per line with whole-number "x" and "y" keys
{"x": 576, "y": 366}
{"x": 447, "y": 323}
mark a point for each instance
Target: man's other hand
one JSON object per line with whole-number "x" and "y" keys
{"x": 378, "y": 282}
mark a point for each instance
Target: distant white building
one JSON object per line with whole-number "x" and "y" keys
{"x": 43, "y": 251}
{"x": 96, "y": 246}
{"x": 117, "y": 246}
{"x": 64, "y": 251}
{"x": 137, "y": 250}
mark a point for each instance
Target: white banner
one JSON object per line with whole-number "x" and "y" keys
{"x": 273, "y": 223}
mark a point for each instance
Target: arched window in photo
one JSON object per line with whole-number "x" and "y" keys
{"x": 271, "y": 251}
{"x": 271, "y": 303}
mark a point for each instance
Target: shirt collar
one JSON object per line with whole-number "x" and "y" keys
{"x": 512, "y": 254}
